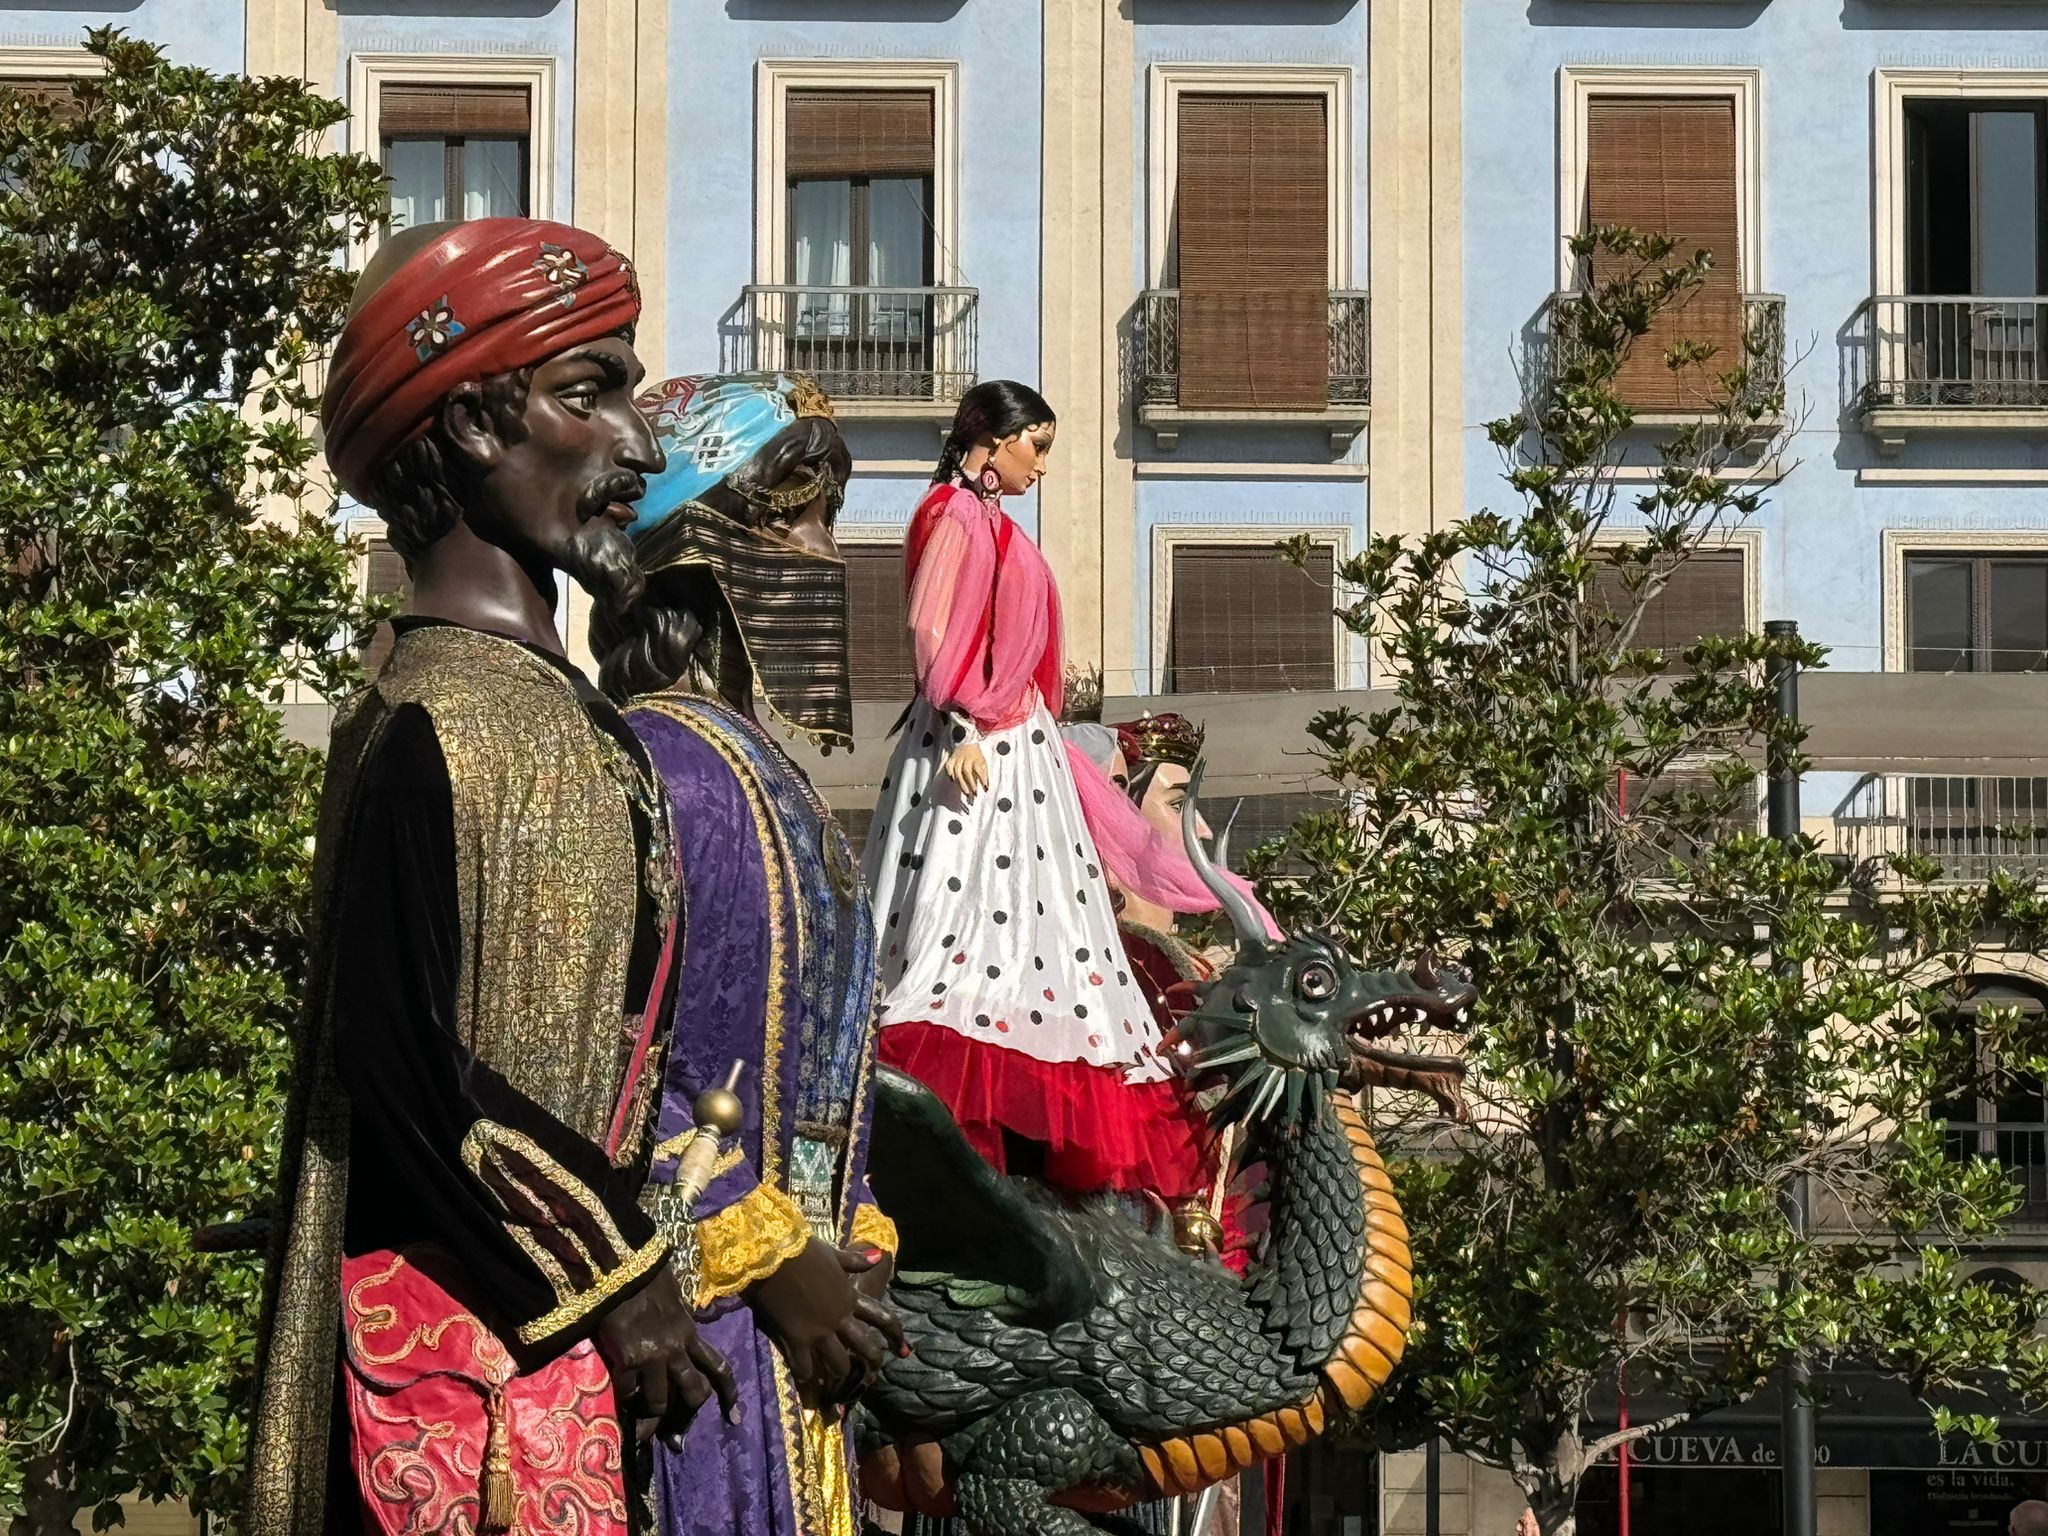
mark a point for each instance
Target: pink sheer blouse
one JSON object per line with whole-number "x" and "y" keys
{"x": 984, "y": 613}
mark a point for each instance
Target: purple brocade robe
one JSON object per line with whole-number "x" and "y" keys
{"x": 775, "y": 968}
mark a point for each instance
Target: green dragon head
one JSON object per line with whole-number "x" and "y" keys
{"x": 1294, "y": 1014}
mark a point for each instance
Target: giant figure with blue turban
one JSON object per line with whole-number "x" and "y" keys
{"x": 740, "y": 635}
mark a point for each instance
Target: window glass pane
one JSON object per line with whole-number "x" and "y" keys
{"x": 896, "y": 256}
{"x": 2019, "y": 615}
{"x": 2008, "y": 222}
{"x": 821, "y": 253}
{"x": 898, "y": 240}
{"x": 897, "y": 232}
{"x": 493, "y": 178}
{"x": 1938, "y": 604}
{"x": 418, "y": 173}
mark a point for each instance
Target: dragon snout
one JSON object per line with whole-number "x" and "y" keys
{"x": 1434, "y": 997}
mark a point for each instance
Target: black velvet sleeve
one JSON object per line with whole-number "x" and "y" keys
{"x": 442, "y": 1150}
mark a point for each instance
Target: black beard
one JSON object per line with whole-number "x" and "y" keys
{"x": 601, "y": 561}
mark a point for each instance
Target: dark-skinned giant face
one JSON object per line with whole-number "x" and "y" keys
{"x": 747, "y": 589}
{"x": 486, "y": 375}
{"x": 561, "y": 489}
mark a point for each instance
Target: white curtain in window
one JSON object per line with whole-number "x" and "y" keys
{"x": 417, "y": 170}
{"x": 492, "y": 184}
{"x": 821, "y": 254}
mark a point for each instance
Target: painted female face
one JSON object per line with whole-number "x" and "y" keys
{"x": 1163, "y": 799}
{"x": 1019, "y": 461}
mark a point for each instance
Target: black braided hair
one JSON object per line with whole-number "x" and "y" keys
{"x": 991, "y": 411}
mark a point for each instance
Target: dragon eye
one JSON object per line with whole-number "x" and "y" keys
{"x": 1316, "y": 982}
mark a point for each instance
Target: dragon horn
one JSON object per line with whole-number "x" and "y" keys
{"x": 1249, "y": 929}
{"x": 1221, "y": 853}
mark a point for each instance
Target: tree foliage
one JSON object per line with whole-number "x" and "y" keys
{"x": 1677, "y": 1015}
{"x": 168, "y": 276}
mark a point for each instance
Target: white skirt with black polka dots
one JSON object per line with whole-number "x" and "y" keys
{"x": 993, "y": 916}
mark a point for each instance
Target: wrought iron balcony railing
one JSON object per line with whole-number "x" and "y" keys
{"x": 861, "y": 343}
{"x": 1970, "y": 826}
{"x": 1763, "y": 332}
{"x": 1349, "y": 348}
{"x": 1915, "y": 352}
{"x": 2020, "y": 1149}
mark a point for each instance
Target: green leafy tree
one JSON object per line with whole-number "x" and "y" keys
{"x": 169, "y": 272}
{"x": 1677, "y": 1015}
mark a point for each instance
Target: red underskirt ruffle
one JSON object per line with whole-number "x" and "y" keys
{"x": 1100, "y": 1132}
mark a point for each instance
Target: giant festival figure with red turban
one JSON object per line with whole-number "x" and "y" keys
{"x": 471, "y": 1321}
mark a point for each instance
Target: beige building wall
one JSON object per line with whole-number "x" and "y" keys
{"x": 621, "y": 188}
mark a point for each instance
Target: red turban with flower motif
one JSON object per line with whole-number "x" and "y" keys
{"x": 484, "y": 297}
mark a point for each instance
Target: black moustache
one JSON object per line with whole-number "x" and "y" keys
{"x": 623, "y": 487}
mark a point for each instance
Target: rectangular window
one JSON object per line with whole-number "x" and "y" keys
{"x": 861, "y": 254}
{"x": 53, "y": 91}
{"x": 2010, "y": 1124}
{"x": 1667, "y": 165}
{"x": 455, "y": 151}
{"x": 1653, "y": 805}
{"x": 878, "y": 633}
{"x": 385, "y": 578}
{"x": 1974, "y": 208}
{"x": 1241, "y": 620}
{"x": 1251, "y": 243}
{"x": 1976, "y": 613}
{"x": 1705, "y": 595}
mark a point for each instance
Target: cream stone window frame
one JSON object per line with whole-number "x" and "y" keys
{"x": 1349, "y": 670}
{"x": 369, "y": 73}
{"x": 1166, "y": 84}
{"x": 1579, "y": 84}
{"x": 1900, "y": 544}
{"x": 48, "y": 64}
{"x": 1750, "y": 541}
{"x": 1891, "y": 89}
{"x": 776, "y": 78}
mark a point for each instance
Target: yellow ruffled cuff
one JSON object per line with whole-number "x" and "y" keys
{"x": 872, "y": 1229}
{"x": 747, "y": 1241}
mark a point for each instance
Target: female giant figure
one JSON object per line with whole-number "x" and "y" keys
{"x": 1006, "y": 986}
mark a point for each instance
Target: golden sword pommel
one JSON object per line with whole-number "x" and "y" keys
{"x": 718, "y": 1114}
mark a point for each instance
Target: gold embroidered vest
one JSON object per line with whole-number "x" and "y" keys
{"x": 547, "y": 885}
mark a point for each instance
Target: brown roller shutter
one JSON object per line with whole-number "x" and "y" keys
{"x": 386, "y": 578}
{"x": 878, "y": 633}
{"x": 53, "y": 92}
{"x": 453, "y": 111}
{"x": 860, "y": 133}
{"x": 1667, "y": 166}
{"x": 1251, "y": 220}
{"x": 1705, "y": 596}
{"x": 1242, "y": 620}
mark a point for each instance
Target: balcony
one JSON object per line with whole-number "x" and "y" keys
{"x": 1957, "y": 364}
{"x": 906, "y": 353}
{"x": 1969, "y": 826}
{"x": 1763, "y": 331}
{"x": 1347, "y": 351}
{"x": 2019, "y": 1148}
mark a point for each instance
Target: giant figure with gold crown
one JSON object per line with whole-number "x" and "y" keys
{"x": 741, "y": 636}
{"x": 469, "y": 1312}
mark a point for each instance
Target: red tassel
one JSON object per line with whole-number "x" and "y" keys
{"x": 1276, "y": 1495}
